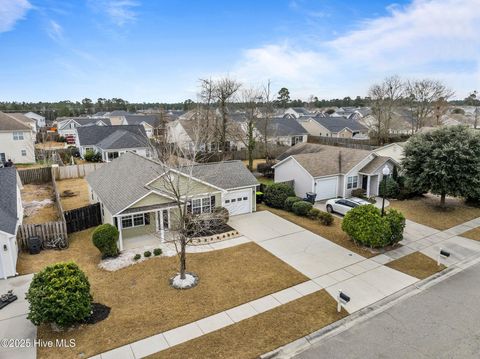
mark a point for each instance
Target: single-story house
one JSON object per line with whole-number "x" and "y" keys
{"x": 11, "y": 216}
{"x": 330, "y": 126}
{"x": 282, "y": 131}
{"x": 332, "y": 172}
{"x": 136, "y": 197}
{"x": 17, "y": 140}
{"x": 112, "y": 141}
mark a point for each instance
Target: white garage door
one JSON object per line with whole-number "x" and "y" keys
{"x": 238, "y": 202}
{"x": 326, "y": 188}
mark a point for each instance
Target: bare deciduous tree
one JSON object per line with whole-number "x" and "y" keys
{"x": 250, "y": 99}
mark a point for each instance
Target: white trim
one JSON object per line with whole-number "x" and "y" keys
{"x": 187, "y": 176}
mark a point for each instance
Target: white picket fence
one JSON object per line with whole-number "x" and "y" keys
{"x": 75, "y": 171}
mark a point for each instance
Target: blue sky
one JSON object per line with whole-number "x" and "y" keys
{"x": 157, "y": 50}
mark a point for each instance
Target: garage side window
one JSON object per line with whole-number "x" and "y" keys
{"x": 352, "y": 182}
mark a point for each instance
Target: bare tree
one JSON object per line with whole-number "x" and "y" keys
{"x": 423, "y": 95}
{"x": 267, "y": 113}
{"x": 250, "y": 99}
{"x": 385, "y": 98}
{"x": 207, "y": 96}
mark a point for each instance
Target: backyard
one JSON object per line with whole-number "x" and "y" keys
{"x": 73, "y": 193}
{"x": 426, "y": 210}
{"x": 142, "y": 301}
{"x": 39, "y": 203}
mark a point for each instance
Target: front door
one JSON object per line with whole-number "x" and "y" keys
{"x": 364, "y": 182}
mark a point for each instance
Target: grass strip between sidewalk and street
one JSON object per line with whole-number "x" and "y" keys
{"x": 417, "y": 265}
{"x": 263, "y": 332}
{"x": 472, "y": 234}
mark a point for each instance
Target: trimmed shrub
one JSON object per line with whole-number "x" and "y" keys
{"x": 314, "y": 213}
{"x": 91, "y": 156}
{"x": 221, "y": 215}
{"x": 325, "y": 218}
{"x": 301, "y": 208}
{"x": 147, "y": 254}
{"x": 289, "y": 203}
{"x": 276, "y": 194}
{"x": 136, "y": 257}
{"x": 359, "y": 192}
{"x": 157, "y": 251}
{"x": 366, "y": 226}
{"x": 105, "y": 238}
{"x": 59, "y": 295}
{"x": 390, "y": 187}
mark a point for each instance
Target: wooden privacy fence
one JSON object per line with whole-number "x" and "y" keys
{"x": 46, "y": 231}
{"x": 342, "y": 142}
{"x": 35, "y": 175}
{"x": 82, "y": 218}
{"x": 75, "y": 171}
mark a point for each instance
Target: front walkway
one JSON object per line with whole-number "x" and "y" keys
{"x": 13, "y": 320}
{"x": 328, "y": 265}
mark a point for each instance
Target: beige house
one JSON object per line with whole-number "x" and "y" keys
{"x": 136, "y": 194}
{"x": 17, "y": 140}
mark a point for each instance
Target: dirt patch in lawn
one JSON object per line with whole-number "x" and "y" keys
{"x": 333, "y": 233}
{"x": 39, "y": 203}
{"x": 472, "y": 234}
{"x": 143, "y": 303}
{"x": 77, "y": 194}
{"x": 255, "y": 162}
{"x": 425, "y": 210}
{"x": 417, "y": 265}
{"x": 262, "y": 333}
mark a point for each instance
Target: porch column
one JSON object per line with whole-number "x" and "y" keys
{"x": 120, "y": 238}
{"x": 162, "y": 229}
{"x": 368, "y": 186}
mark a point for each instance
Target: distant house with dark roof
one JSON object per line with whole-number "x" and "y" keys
{"x": 281, "y": 131}
{"x": 11, "y": 216}
{"x": 135, "y": 194}
{"x": 112, "y": 141}
{"x": 331, "y": 171}
{"x": 17, "y": 139}
{"x": 66, "y": 126}
{"x": 331, "y": 126}
{"x": 151, "y": 123}
{"x": 296, "y": 112}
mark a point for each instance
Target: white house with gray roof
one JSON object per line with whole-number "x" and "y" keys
{"x": 333, "y": 126}
{"x": 135, "y": 197}
{"x": 11, "y": 216}
{"x": 17, "y": 140}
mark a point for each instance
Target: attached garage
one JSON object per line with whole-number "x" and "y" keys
{"x": 238, "y": 202}
{"x": 326, "y": 188}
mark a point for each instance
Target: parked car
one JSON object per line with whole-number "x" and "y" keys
{"x": 343, "y": 205}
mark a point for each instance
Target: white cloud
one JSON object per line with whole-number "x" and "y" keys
{"x": 55, "y": 31}
{"x": 434, "y": 38}
{"x": 12, "y": 11}
{"x": 120, "y": 12}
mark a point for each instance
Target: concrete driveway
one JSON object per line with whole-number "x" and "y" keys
{"x": 13, "y": 319}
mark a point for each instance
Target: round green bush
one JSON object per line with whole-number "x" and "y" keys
{"x": 147, "y": 254}
{"x": 136, "y": 257}
{"x": 105, "y": 238}
{"x": 289, "y": 203}
{"x": 365, "y": 225}
{"x": 60, "y": 295}
{"x": 157, "y": 251}
{"x": 325, "y": 218}
{"x": 301, "y": 208}
{"x": 314, "y": 213}
{"x": 276, "y": 194}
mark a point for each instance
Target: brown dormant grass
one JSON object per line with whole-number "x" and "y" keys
{"x": 34, "y": 192}
{"x": 472, "y": 234}
{"x": 79, "y": 187}
{"x": 417, "y": 265}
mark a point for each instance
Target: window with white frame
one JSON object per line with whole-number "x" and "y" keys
{"x": 201, "y": 205}
{"x": 136, "y": 220}
{"x": 24, "y": 153}
{"x": 352, "y": 182}
{"x": 17, "y": 136}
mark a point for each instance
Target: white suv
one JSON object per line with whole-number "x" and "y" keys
{"x": 343, "y": 205}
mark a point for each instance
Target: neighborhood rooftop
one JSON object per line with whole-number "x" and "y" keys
{"x": 8, "y": 122}
{"x": 336, "y": 124}
{"x": 8, "y": 200}
{"x": 113, "y": 137}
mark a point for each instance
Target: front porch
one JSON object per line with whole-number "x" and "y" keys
{"x": 370, "y": 184}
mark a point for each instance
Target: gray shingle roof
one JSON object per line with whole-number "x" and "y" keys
{"x": 370, "y": 167}
{"x": 299, "y": 148}
{"x": 8, "y": 200}
{"x": 119, "y": 113}
{"x": 10, "y": 123}
{"x": 336, "y": 124}
{"x": 152, "y": 120}
{"x": 225, "y": 175}
{"x": 113, "y": 137}
{"x": 279, "y": 126}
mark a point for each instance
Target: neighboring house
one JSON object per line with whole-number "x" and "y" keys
{"x": 26, "y": 120}
{"x": 393, "y": 150}
{"x": 333, "y": 126}
{"x": 296, "y": 112}
{"x": 282, "y": 131}
{"x": 39, "y": 119}
{"x": 17, "y": 140}
{"x": 66, "y": 126}
{"x": 11, "y": 216}
{"x": 112, "y": 141}
{"x": 134, "y": 196}
{"x": 333, "y": 171}
{"x": 117, "y": 117}
{"x": 151, "y": 123}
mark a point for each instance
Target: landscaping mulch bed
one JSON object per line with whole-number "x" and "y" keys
{"x": 417, "y": 265}
{"x": 426, "y": 210}
{"x": 262, "y": 333}
{"x": 472, "y": 234}
{"x": 141, "y": 299}
{"x": 100, "y": 312}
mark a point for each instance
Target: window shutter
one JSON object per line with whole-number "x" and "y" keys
{"x": 212, "y": 203}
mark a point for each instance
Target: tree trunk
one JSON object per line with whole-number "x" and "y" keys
{"x": 442, "y": 199}
{"x": 183, "y": 258}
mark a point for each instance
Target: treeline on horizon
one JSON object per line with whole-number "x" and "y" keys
{"x": 52, "y": 110}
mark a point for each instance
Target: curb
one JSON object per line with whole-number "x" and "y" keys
{"x": 304, "y": 343}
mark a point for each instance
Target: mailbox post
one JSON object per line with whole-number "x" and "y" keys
{"x": 342, "y": 300}
{"x": 442, "y": 254}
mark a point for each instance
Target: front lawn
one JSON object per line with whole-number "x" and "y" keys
{"x": 417, "y": 265}
{"x": 141, "y": 300}
{"x": 333, "y": 233}
{"x": 262, "y": 333}
{"x": 426, "y": 210}
{"x": 472, "y": 234}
